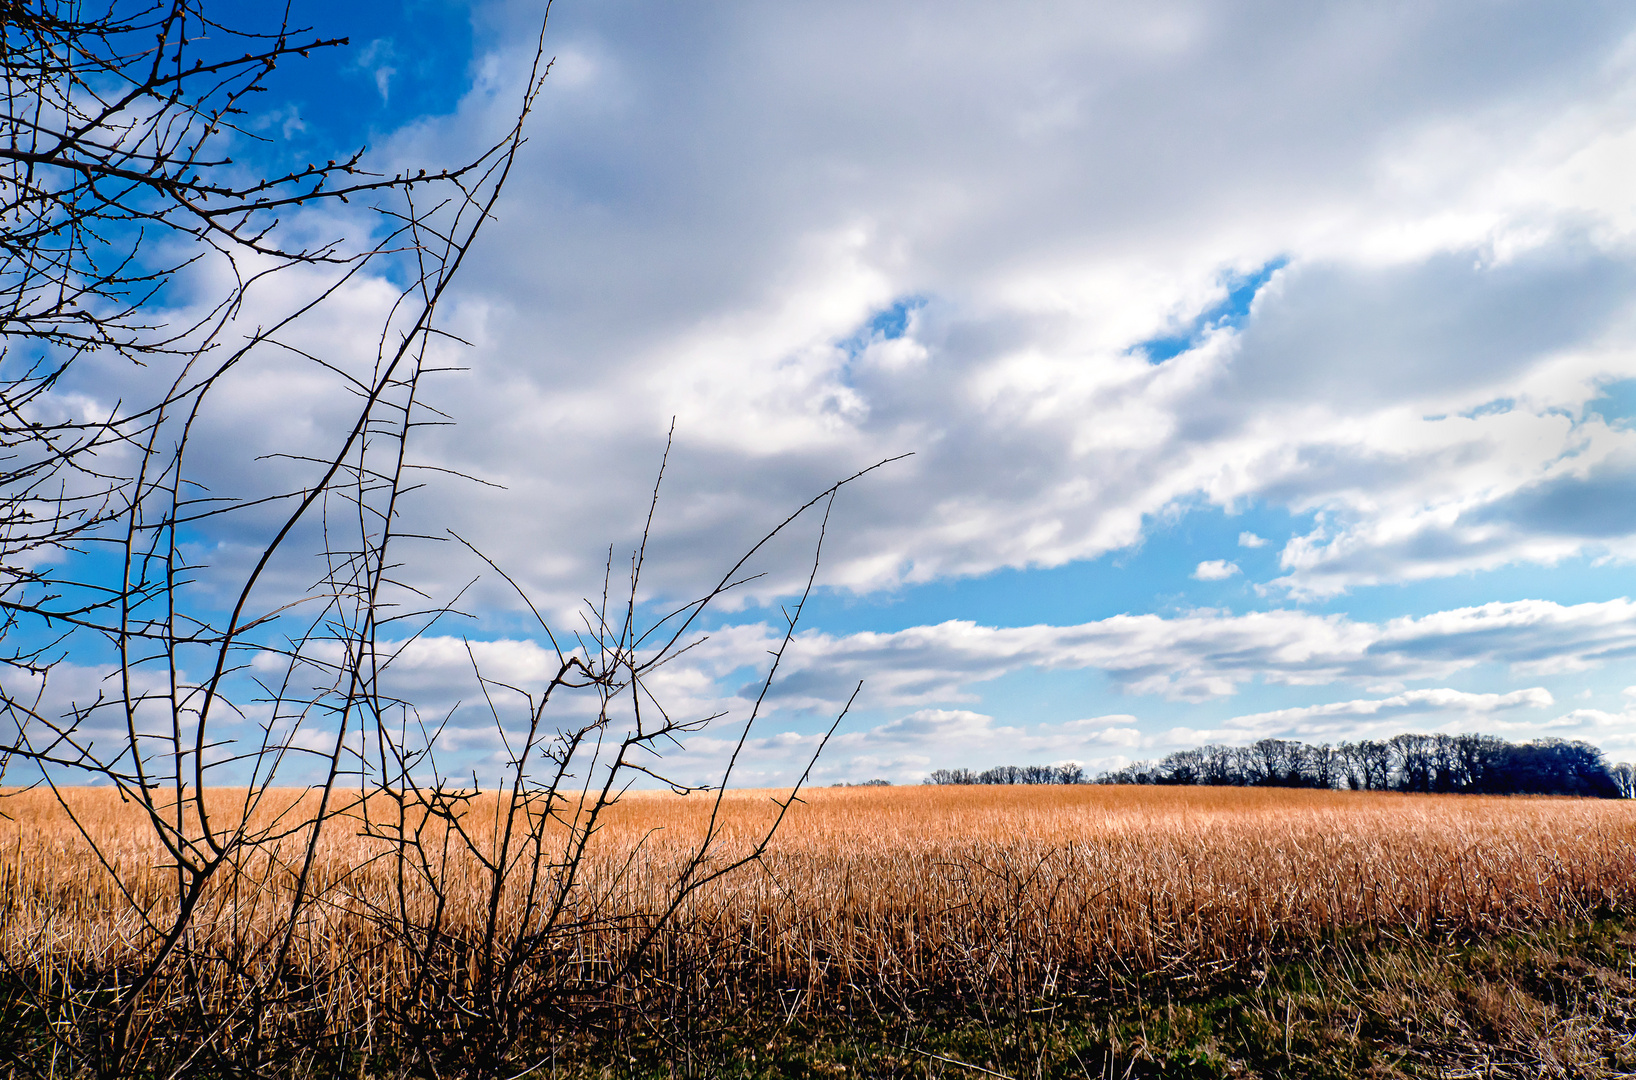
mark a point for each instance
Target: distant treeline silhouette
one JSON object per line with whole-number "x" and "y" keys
{"x": 1011, "y": 774}
{"x": 1469, "y": 764}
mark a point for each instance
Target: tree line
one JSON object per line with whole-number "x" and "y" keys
{"x": 1468, "y": 764}
{"x": 1012, "y": 774}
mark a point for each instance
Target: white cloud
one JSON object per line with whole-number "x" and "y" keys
{"x": 716, "y": 204}
{"x": 1251, "y": 540}
{"x": 929, "y": 671}
{"x": 1208, "y": 654}
{"x": 1215, "y": 570}
{"x": 376, "y": 59}
{"x": 906, "y": 750}
{"x": 764, "y": 212}
{"x": 1322, "y": 721}
{"x": 703, "y": 231}
{"x": 1192, "y": 657}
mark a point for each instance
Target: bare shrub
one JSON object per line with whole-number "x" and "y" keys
{"x": 211, "y": 919}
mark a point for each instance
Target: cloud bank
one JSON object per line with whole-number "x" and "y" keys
{"x": 1099, "y": 267}
{"x": 964, "y": 239}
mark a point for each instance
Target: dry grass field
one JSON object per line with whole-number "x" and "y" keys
{"x": 911, "y": 887}
{"x": 901, "y": 895}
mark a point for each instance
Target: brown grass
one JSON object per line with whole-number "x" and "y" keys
{"x": 892, "y": 891}
{"x": 913, "y": 888}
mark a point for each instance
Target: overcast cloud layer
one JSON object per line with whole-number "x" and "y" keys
{"x": 1364, "y": 270}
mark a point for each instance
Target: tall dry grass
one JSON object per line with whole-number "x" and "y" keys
{"x": 905, "y": 890}
{"x": 893, "y": 892}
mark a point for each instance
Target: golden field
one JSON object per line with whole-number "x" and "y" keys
{"x": 891, "y": 890}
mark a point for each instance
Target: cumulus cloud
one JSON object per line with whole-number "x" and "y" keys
{"x": 817, "y": 239}
{"x": 724, "y": 231}
{"x": 906, "y": 750}
{"x": 1194, "y": 657}
{"x": 1208, "y": 654}
{"x": 928, "y": 672}
{"x": 1215, "y": 570}
{"x": 1324, "y": 721}
{"x": 813, "y": 264}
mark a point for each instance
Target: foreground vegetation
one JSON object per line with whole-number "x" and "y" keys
{"x": 1555, "y": 1001}
{"x": 1065, "y": 930}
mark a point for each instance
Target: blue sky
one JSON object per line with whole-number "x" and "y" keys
{"x": 1268, "y": 367}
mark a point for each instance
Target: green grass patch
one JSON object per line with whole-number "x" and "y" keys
{"x": 1560, "y": 1001}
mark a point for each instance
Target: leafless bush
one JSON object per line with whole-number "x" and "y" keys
{"x": 114, "y": 180}
{"x": 112, "y": 157}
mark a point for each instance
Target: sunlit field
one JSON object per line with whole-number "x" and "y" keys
{"x": 901, "y": 890}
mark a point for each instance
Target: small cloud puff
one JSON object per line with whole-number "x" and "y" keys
{"x": 376, "y": 58}
{"x": 1251, "y": 540}
{"x": 1215, "y": 570}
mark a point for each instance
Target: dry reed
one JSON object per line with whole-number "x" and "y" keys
{"x": 892, "y": 892}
